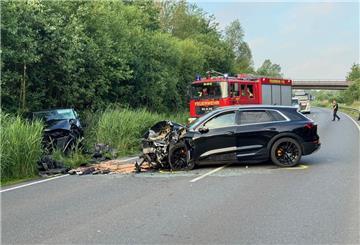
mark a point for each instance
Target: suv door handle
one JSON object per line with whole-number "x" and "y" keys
{"x": 270, "y": 129}
{"x": 230, "y": 132}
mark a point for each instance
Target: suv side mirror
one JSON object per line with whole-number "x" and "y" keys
{"x": 203, "y": 130}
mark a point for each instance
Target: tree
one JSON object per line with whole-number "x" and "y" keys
{"x": 234, "y": 37}
{"x": 20, "y": 45}
{"x": 354, "y": 73}
{"x": 184, "y": 20}
{"x": 352, "y": 93}
{"x": 269, "y": 69}
{"x": 88, "y": 54}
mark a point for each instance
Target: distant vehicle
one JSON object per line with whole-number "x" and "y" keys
{"x": 62, "y": 128}
{"x": 295, "y": 103}
{"x": 246, "y": 134}
{"x": 222, "y": 90}
{"x": 304, "y": 101}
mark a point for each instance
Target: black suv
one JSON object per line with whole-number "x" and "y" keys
{"x": 246, "y": 134}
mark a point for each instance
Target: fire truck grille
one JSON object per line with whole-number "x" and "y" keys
{"x": 200, "y": 110}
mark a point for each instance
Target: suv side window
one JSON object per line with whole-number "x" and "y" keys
{"x": 220, "y": 121}
{"x": 276, "y": 116}
{"x": 255, "y": 116}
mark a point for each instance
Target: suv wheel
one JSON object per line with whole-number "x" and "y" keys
{"x": 178, "y": 157}
{"x": 286, "y": 152}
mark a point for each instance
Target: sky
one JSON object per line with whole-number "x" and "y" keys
{"x": 310, "y": 40}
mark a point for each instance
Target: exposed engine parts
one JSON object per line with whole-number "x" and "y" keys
{"x": 162, "y": 147}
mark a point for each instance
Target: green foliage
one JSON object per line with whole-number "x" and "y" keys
{"x": 353, "y": 92}
{"x": 87, "y": 54}
{"x": 73, "y": 160}
{"x": 122, "y": 128}
{"x": 269, "y": 69}
{"x": 354, "y": 73}
{"x": 234, "y": 37}
{"x": 20, "y": 147}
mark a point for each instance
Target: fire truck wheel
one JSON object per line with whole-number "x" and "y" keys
{"x": 179, "y": 157}
{"x": 286, "y": 152}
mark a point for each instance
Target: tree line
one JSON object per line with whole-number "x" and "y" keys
{"x": 88, "y": 54}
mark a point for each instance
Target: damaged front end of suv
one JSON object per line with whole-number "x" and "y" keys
{"x": 164, "y": 147}
{"x": 62, "y": 129}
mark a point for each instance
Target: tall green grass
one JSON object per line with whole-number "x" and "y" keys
{"x": 20, "y": 147}
{"x": 122, "y": 128}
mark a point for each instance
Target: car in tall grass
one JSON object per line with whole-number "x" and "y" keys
{"x": 246, "y": 134}
{"x": 63, "y": 129}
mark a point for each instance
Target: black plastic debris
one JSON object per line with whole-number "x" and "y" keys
{"x": 48, "y": 166}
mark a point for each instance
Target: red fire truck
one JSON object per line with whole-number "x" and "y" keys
{"x": 215, "y": 91}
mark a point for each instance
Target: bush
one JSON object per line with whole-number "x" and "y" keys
{"x": 123, "y": 128}
{"x": 20, "y": 147}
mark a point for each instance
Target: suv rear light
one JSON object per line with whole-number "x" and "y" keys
{"x": 309, "y": 125}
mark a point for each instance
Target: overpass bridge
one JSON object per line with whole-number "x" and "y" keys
{"x": 321, "y": 84}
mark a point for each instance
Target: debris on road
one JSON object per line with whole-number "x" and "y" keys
{"x": 48, "y": 166}
{"x": 107, "y": 167}
{"x": 103, "y": 152}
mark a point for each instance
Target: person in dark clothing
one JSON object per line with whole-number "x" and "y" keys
{"x": 335, "y": 109}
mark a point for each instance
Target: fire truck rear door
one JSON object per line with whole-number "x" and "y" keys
{"x": 286, "y": 95}
{"x": 266, "y": 94}
{"x": 276, "y": 95}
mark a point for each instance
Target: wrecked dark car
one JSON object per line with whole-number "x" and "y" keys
{"x": 63, "y": 129}
{"x": 244, "y": 134}
{"x": 159, "y": 141}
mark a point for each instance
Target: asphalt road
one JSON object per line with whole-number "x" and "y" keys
{"x": 317, "y": 202}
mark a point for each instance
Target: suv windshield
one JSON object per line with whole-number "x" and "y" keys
{"x": 60, "y": 114}
{"x": 212, "y": 90}
{"x": 294, "y": 101}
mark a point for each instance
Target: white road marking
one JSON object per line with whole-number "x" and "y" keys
{"x": 34, "y": 183}
{"x": 53, "y": 178}
{"x": 208, "y": 173}
{"x": 351, "y": 120}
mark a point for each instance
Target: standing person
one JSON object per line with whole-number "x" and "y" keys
{"x": 335, "y": 109}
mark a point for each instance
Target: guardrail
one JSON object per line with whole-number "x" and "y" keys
{"x": 351, "y": 109}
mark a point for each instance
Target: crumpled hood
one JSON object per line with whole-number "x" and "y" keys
{"x": 162, "y": 127}
{"x": 57, "y": 124}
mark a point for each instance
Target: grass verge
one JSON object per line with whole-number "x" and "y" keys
{"x": 122, "y": 128}
{"x": 20, "y": 147}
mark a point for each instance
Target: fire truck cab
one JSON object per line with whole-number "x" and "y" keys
{"x": 217, "y": 91}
